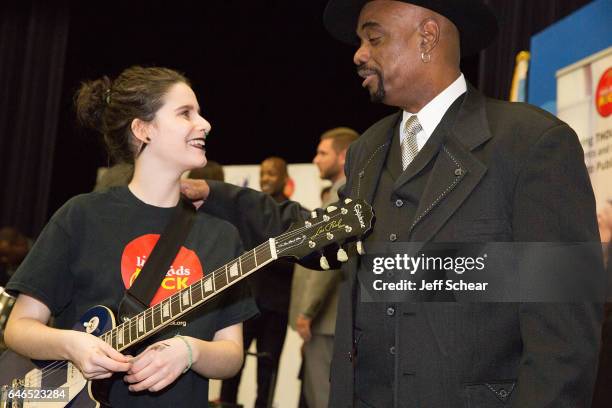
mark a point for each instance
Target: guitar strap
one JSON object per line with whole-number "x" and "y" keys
{"x": 139, "y": 295}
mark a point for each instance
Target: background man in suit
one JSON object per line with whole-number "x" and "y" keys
{"x": 316, "y": 321}
{"x": 452, "y": 166}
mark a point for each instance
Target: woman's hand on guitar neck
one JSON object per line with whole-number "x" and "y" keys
{"x": 95, "y": 358}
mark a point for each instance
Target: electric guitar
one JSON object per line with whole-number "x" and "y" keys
{"x": 60, "y": 383}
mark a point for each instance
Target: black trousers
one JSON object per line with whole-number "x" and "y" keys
{"x": 269, "y": 330}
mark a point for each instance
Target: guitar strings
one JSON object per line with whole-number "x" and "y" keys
{"x": 177, "y": 297}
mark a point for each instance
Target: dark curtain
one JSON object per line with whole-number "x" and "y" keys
{"x": 519, "y": 21}
{"x": 33, "y": 41}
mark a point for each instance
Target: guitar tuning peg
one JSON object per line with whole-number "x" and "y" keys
{"x": 347, "y": 201}
{"x": 342, "y": 256}
{"x": 313, "y": 214}
{"x": 360, "y": 249}
{"x": 324, "y": 264}
{"x": 331, "y": 208}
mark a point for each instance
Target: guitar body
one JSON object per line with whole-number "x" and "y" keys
{"x": 50, "y": 375}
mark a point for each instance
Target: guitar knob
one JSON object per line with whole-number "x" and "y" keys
{"x": 326, "y": 218}
{"x": 313, "y": 214}
{"x": 331, "y": 208}
{"x": 347, "y": 201}
{"x": 329, "y": 236}
{"x": 344, "y": 211}
{"x": 324, "y": 264}
{"x": 348, "y": 228}
{"x": 360, "y": 249}
{"x": 308, "y": 224}
{"x": 342, "y": 256}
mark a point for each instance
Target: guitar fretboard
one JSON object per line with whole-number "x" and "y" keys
{"x": 159, "y": 316}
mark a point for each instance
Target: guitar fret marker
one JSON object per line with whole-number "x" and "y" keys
{"x": 140, "y": 324}
{"x": 166, "y": 310}
{"x": 186, "y": 298}
{"x": 208, "y": 287}
{"x": 233, "y": 270}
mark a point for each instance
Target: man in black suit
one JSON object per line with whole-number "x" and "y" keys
{"x": 451, "y": 166}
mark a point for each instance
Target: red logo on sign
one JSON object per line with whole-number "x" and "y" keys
{"x": 185, "y": 269}
{"x": 603, "y": 95}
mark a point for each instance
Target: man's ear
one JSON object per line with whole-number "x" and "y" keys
{"x": 342, "y": 157}
{"x": 429, "y": 31}
{"x": 141, "y": 130}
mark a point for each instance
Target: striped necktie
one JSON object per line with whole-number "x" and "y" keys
{"x": 409, "y": 146}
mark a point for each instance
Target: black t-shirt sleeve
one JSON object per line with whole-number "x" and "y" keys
{"x": 45, "y": 273}
{"x": 237, "y": 303}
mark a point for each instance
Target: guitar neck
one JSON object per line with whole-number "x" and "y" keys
{"x": 168, "y": 310}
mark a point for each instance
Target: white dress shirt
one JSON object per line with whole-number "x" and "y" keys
{"x": 432, "y": 113}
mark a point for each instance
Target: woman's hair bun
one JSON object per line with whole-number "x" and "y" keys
{"x": 91, "y": 100}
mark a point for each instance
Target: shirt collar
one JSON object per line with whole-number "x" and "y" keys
{"x": 432, "y": 113}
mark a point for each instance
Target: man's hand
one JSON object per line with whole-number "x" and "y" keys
{"x": 303, "y": 327}
{"x": 196, "y": 190}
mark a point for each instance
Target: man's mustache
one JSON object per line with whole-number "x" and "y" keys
{"x": 363, "y": 71}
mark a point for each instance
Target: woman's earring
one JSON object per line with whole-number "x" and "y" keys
{"x": 425, "y": 57}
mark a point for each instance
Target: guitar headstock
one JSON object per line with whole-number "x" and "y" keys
{"x": 337, "y": 223}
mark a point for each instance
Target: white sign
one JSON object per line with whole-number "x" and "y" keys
{"x": 584, "y": 101}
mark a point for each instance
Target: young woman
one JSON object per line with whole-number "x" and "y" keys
{"x": 96, "y": 244}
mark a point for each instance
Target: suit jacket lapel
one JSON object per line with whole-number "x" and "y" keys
{"x": 376, "y": 152}
{"x": 456, "y": 171}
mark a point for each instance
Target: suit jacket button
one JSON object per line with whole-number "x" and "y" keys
{"x": 350, "y": 356}
{"x": 392, "y": 350}
{"x": 392, "y": 237}
{"x": 398, "y": 203}
{"x": 459, "y": 172}
{"x": 390, "y": 311}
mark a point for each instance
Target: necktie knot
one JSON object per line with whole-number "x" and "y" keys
{"x": 410, "y": 147}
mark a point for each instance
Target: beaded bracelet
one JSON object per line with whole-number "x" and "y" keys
{"x": 190, "y": 353}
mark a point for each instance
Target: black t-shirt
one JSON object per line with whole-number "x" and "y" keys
{"x": 95, "y": 246}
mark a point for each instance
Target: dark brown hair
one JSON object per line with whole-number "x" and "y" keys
{"x": 109, "y": 106}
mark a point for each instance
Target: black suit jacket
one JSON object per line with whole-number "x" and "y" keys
{"x": 506, "y": 172}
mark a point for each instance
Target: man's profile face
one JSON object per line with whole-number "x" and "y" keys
{"x": 388, "y": 57}
{"x": 327, "y": 160}
{"x": 272, "y": 178}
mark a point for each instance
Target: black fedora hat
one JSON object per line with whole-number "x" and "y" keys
{"x": 476, "y": 22}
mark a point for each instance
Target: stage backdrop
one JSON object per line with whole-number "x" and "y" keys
{"x": 584, "y": 101}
